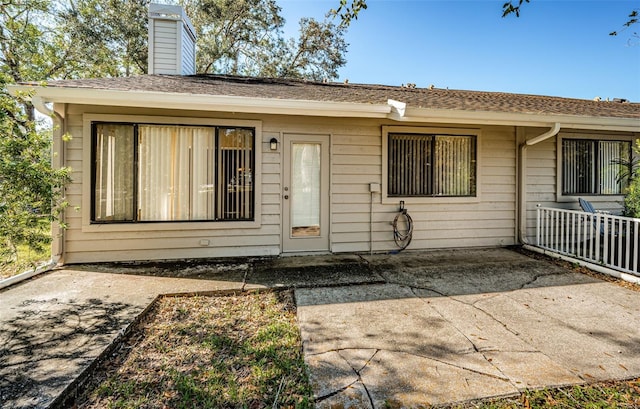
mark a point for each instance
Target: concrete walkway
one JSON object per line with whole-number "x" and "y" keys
{"x": 402, "y": 330}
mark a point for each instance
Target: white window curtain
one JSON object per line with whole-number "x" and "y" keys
{"x": 114, "y": 180}
{"x": 175, "y": 173}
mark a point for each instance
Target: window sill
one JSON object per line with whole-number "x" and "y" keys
{"x": 591, "y": 198}
{"x": 167, "y": 226}
{"x": 411, "y": 200}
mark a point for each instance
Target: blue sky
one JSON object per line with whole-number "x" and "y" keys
{"x": 559, "y": 48}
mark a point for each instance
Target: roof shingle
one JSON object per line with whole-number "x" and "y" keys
{"x": 289, "y": 89}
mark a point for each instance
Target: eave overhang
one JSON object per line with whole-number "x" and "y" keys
{"x": 202, "y": 102}
{"x": 396, "y": 111}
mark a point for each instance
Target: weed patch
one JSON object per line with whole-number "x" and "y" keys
{"x": 239, "y": 351}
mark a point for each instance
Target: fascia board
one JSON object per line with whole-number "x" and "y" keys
{"x": 201, "y": 102}
{"x": 518, "y": 119}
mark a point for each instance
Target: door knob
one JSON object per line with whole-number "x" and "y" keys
{"x": 286, "y": 196}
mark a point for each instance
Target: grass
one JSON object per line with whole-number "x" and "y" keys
{"x": 621, "y": 394}
{"x": 27, "y": 259}
{"x": 240, "y": 351}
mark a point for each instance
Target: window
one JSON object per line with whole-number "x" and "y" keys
{"x": 592, "y": 167}
{"x": 431, "y": 165}
{"x": 150, "y": 173}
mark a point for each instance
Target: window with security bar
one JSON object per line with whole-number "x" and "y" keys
{"x": 423, "y": 165}
{"x": 594, "y": 167}
{"x": 151, "y": 173}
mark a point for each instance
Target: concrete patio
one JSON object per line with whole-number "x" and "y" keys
{"x": 399, "y": 330}
{"x": 455, "y": 326}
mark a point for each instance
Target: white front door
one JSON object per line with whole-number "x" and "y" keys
{"x": 305, "y": 195}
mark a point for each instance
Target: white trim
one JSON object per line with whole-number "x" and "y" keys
{"x": 385, "y": 199}
{"x": 27, "y": 274}
{"x": 203, "y": 102}
{"x": 519, "y": 119}
{"x": 88, "y": 227}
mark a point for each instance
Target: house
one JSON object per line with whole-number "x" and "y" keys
{"x": 174, "y": 165}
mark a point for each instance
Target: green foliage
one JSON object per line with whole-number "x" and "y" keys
{"x": 113, "y": 34}
{"x": 631, "y": 171}
{"x": 244, "y": 37}
{"x": 632, "y": 199}
{"x": 239, "y": 37}
{"x": 348, "y": 12}
{"x": 30, "y": 189}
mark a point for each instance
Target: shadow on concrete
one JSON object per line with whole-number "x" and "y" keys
{"x": 47, "y": 343}
{"x": 444, "y": 272}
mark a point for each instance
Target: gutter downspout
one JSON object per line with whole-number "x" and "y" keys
{"x": 57, "y": 236}
{"x": 522, "y": 196}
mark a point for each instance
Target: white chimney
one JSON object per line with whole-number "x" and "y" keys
{"x": 172, "y": 41}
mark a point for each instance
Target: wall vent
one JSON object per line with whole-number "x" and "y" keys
{"x": 172, "y": 41}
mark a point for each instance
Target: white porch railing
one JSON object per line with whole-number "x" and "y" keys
{"x": 599, "y": 238}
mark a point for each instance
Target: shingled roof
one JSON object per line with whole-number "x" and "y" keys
{"x": 288, "y": 89}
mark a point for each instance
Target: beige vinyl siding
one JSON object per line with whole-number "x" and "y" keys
{"x": 356, "y": 161}
{"x": 164, "y": 240}
{"x": 489, "y": 220}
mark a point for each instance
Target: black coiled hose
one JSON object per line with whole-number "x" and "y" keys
{"x": 402, "y": 237}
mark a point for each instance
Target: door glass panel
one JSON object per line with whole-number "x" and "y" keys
{"x": 305, "y": 189}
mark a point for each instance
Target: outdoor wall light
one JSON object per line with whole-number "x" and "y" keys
{"x": 273, "y": 144}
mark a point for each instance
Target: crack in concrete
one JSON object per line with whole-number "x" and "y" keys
{"x": 536, "y": 277}
{"x": 533, "y": 347}
{"x": 249, "y": 269}
{"x": 451, "y": 364}
{"x": 336, "y": 392}
{"x": 365, "y": 261}
{"x": 356, "y": 371}
{"x": 360, "y": 376}
{"x": 473, "y": 304}
{"x": 475, "y": 347}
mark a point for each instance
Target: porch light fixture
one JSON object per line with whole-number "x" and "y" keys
{"x": 273, "y": 144}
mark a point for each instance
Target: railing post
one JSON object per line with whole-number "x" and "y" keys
{"x": 597, "y": 244}
{"x": 538, "y": 211}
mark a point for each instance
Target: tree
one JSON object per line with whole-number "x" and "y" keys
{"x": 113, "y": 33}
{"x": 241, "y": 37}
{"x": 30, "y": 190}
